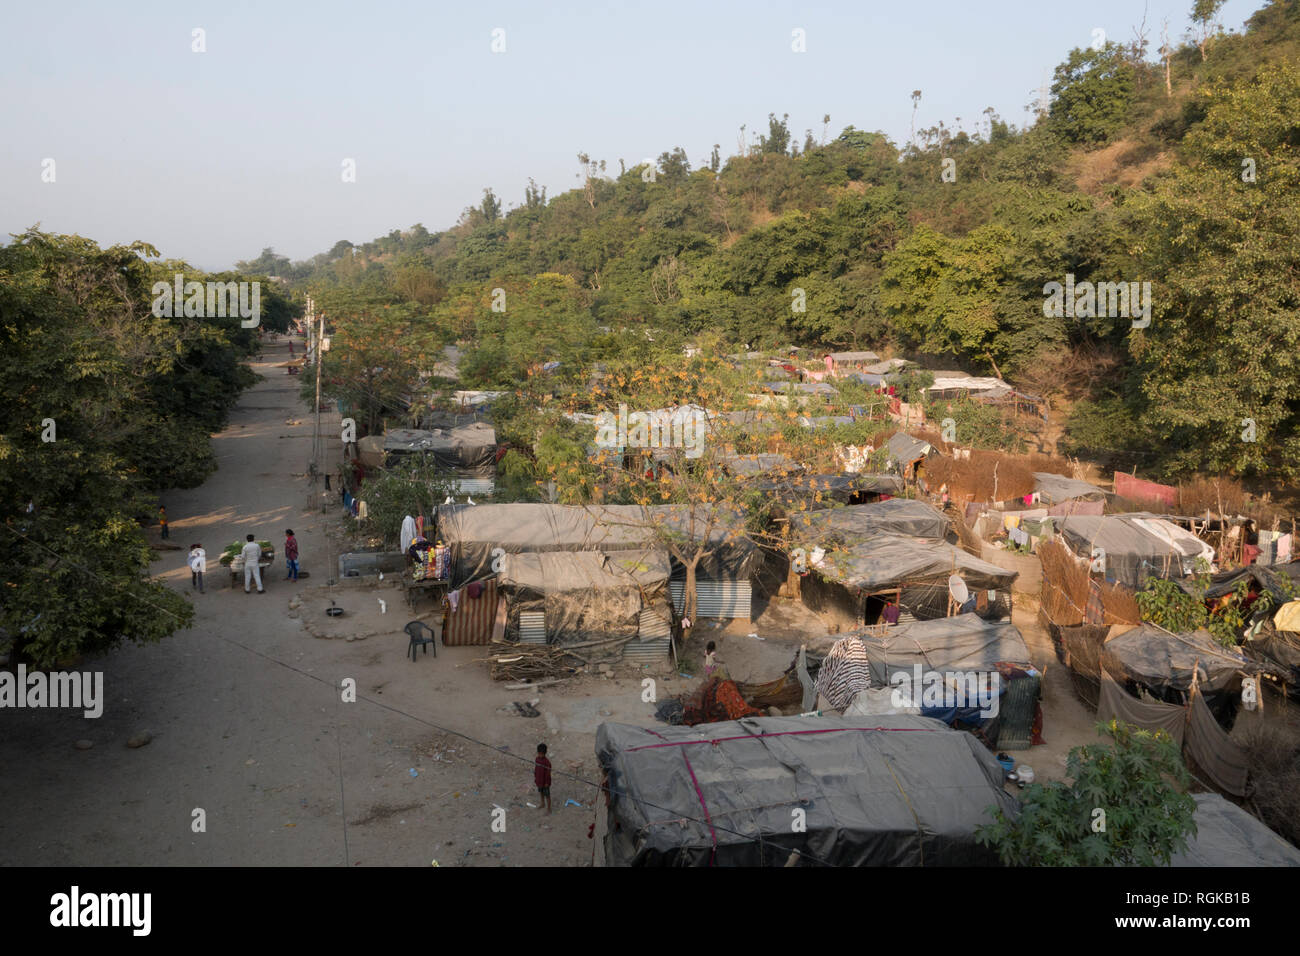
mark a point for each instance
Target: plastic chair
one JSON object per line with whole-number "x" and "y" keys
{"x": 415, "y": 630}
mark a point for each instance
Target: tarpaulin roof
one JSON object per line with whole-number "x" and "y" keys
{"x": 1137, "y": 546}
{"x": 371, "y": 451}
{"x": 759, "y": 464}
{"x": 887, "y": 366}
{"x": 472, "y": 532}
{"x": 893, "y": 790}
{"x": 1153, "y": 656}
{"x": 906, "y": 449}
{"x": 837, "y": 487}
{"x": 886, "y": 561}
{"x": 469, "y": 450}
{"x": 556, "y": 571}
{"x": 587, "y": 595}
{"x": 1271, "y": 578}
{"x": 970, "y": 383}
{"x": 964, "y": 642}
{"x": 1056, "y": 489}
{"x": 854, "y": 357}
{"x": 1227, "y": 835}
{"x": 851, "y": 523}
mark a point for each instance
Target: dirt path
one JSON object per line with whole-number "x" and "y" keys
{"x": 249, "y": 725}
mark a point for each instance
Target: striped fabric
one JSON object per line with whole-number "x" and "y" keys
{"x": 845, "y": 671}
{"x": 472, "y": 621}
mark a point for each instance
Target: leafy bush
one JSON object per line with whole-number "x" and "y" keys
{"x": 1127, "y": 806}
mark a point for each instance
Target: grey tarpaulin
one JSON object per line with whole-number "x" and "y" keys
{"x": 1115, "y": 704}
{"x": 1133, "y": 553}
{"x": 847, "y": 525}
{"x": 828, "y": 488}
{"x": 469, "y": 451}
{"x": 905, "y": 449}
{"x": 1161, "y": 661}
{"x": 890, "y": 790}
{"x": 760, "y": 464}
{"x": 1057, "y": 489}
{"x": 586, "y": 595}
{"x": 886, "y": 560}
{"x": 1227, "y": 835}
{"x": 1217, "y": 755}
{"x": 965, "y": 642}
{"x": 474, "y": 532}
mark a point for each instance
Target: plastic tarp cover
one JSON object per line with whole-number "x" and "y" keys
{"x": 1116, "y": 704}
{"x": 1160, "y": 660}
{"x": 964, "y": 642}
{"x": 1134, "y": 552}
{"x": 905, "y": 449}
{"x": 847, "y": 525}
{"x": 839, "y": 487}
{"x": 1226, "y": 835}
{"x": 890, "y": 790}
{"x": 1217, "y": 755}
{"x": 586, "y": 595}
{"x": 760, "y": 464}
{"x": 885, "y": 561}
{"x": 473, "y": 532}
{"x": 1057, "y": 489}
{"x": 470, "y": 450}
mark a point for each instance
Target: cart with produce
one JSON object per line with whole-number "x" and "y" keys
{"x": 233, "y": 558}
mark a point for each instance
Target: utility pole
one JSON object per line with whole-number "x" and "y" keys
{"x": 320, "y": 356}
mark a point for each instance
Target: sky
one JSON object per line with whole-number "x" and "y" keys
{"x": 212, "y": 156}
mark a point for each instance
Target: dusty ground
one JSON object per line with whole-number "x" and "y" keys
{"x": 249, "y": 724}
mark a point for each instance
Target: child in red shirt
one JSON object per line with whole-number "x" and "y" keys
{"x": 542, "y": 776}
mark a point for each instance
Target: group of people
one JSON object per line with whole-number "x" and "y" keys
{"x": 252, "y": 555}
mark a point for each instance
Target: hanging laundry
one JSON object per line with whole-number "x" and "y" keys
{"x": 362, "y": 510}
{"x": 1284, "y": 549}
{"x": 453, "y": 599}
{"x": 475, "y": 590}
{"x": 408, "y": 531}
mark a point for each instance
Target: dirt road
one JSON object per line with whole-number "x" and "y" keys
{"x": 249, "y": 725}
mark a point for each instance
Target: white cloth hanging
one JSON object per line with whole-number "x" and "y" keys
{"x": 408, "y": 532}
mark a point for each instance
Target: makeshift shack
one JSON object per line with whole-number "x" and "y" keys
{"x": 965, "y": 651}
{"x": 1148, "y": 659}
{"x": 848, "y": 525}
{"x": 1226, "y": 835}
{"x": 1136, "y": 547}
{"x": 908, "y": 453}
{"x": 856, "y": 584}
{"x": 477, "y": 534}
{"x": 1065, "y": 496}
{"x": 584, "y": 596}
{"x": 467, "y": 454}
{"x": 886, "y": 791}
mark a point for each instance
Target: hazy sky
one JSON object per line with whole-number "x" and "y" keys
{"x": 212, "y": 156}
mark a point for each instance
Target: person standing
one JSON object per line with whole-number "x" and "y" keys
{"x": 542, "y": 776}
{"x": 198, "y": 564}
{"x": 291, "y": 555}
{"x": 252, "y": 572}
{"x": 162, "y": 523}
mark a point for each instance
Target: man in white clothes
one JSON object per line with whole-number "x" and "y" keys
{"x": 198, "y": 564}
{"x": 252, "y": 554}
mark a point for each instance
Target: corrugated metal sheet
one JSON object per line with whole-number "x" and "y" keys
{"x": 715, "y": 598}
{"x": 471, "y": 622}
{"x": 652, "y": 625}
{"x": 646, "y": 652}
{"x": 475, "y": 486}
{"x": 532, "y": 627}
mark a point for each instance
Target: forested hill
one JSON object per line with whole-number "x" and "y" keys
{"x": 1180, "y": 171}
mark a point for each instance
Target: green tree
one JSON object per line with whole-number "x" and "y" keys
{"x": 1125, "y": 805}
